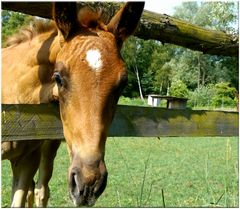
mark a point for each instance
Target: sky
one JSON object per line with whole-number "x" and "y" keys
{"x": 162, "y": 7}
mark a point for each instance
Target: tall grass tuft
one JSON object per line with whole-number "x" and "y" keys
{"x": 140, "y": 200}
{"x": 210, "y": 194}
{"x": 227, "y": 174}
{"x": 143, "y": 181}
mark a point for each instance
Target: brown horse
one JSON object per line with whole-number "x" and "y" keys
{"x": 76, "y": 61}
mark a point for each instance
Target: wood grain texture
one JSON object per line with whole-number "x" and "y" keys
{"x": 34, "y": 122}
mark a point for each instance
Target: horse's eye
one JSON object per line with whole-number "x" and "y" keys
{"x": 58, "y": 78}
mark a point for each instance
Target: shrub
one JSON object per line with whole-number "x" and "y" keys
{"x": 224, "y": 95}
{"x": 201, "y": 97}
{"x": 218, "y": 95}
{"x": 178, "y": 89}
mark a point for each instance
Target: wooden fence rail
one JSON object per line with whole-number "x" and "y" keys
{"x": 34, "y": 122}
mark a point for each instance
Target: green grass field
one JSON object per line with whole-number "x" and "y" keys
{"x": 148, "y": 172}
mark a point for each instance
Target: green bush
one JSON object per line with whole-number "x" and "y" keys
{"x": 218, "y": 95}
{"x": 223, "y": 102}
{"x": 178, "y": 89}
{"x": 201, "y": 97}
{"x": 225, "y": 95}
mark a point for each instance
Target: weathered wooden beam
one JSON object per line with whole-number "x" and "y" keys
{"x": 171, "y": 30}
{"x": 41, "y": 9}
{"x": 35, "y": 122}
{"x": 152, "y": 26}
{"x": 31, "y": 122}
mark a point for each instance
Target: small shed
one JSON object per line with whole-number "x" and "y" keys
{"x": 172, "y": 102}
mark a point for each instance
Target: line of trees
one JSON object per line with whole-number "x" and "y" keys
{"x": 167, "y": 69}
{"x": 172, "y": 70}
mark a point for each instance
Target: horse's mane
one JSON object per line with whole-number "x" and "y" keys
{"x": 86, "y": 17}
{"x": 36, "y": 27}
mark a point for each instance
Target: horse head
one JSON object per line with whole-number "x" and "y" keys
{"x": 90, "y": 75}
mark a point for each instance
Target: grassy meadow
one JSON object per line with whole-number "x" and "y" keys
{"x": 151, "y": 172}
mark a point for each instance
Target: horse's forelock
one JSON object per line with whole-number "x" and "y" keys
{"x": 90, "y": 19}
{"x": 86, "y": 18}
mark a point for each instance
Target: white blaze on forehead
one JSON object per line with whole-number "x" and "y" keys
{"x": 93, "y": 57}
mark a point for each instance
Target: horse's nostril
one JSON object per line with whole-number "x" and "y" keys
{"x": 101, "y": 185}
{"x": 74, "y": 182}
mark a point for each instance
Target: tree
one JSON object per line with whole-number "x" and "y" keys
{"x": 225, "y": 95}
{"x": 137, "y": 55}
{"x": 160, "y": 68}
{"x": 178, "y": 89}
{"x": 130, "y": 52}
{"x": 163, "y": 78}
{"x": 186, "y": 11}
{"x": 206, "y": 69}
{"x": 220, "y": 16}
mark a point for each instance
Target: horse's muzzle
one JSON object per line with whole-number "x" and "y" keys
{"x": 86, "y": 188}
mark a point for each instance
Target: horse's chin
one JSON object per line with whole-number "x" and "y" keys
{"x": 78, "y": 202}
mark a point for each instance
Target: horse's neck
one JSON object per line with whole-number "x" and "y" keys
{"x": 27, "y": 69}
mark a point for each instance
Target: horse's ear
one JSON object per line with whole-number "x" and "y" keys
{"x": 65, "y": 16}
{"x": 124, "y": 23}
